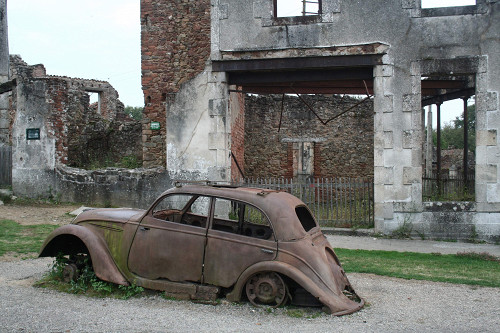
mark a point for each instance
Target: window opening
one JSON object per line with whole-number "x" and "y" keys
{"x": 305, "y": 218}
{"x": 95, "y": 101}
{"x": 183, "y": 209}
{"x": 449, "y": 150}
{"x": 291, "y": 8}
{"x": 240, "y": 218}
{"x": 447, "y": 3}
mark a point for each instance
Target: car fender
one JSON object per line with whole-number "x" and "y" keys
{"x": 102, "y": 262}
{"x": 336, "y": 304}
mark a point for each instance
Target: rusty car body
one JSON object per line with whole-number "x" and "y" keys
{"x": 199, "y": 242}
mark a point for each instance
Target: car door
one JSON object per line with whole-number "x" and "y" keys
{"x": 240, "y": 235}
{"x": 170, "y": 241}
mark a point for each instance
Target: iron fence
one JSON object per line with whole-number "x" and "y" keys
{"x": 448, "y": 187}
{"x": 5, "y": 165}
{"x": 335, "y": 202}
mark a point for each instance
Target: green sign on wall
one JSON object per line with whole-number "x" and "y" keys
{"x": 155, "y": 125}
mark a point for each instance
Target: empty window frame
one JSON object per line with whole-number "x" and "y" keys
{"x": 183, "y": 209}
{"x": 292, "y": 8}
{"x": 241, "y": 218}
{"x": 447, "y": 3}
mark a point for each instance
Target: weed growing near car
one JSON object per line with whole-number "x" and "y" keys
{"x": 87, "y": 283}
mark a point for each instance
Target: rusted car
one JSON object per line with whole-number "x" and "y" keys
{"x": 201, "y": 242}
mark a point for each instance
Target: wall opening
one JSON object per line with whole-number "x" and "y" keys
{"x": 447, "y": 3}
{"x": 449, "y": 120}
{"x": 95, "y": 101}
{"x": 291, "y": 8}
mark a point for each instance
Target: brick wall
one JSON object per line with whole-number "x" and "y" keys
{"x": 175, "y": 45}
{"x": 237, "y": 135}
{"x": 343, "y": 147}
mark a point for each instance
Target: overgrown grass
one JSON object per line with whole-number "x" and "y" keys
{"x": 87, "y": 283}
{"x": 467, "y": 268}
{"x": 22, "y": 239}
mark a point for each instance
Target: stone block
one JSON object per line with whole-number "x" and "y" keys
{"x": 388, "y": 139}
{"x": 486, "y": 173}
{"x": 493, "y": 193}
{"x": 388, "y": 121}
{"x": 217, "y": 107}
{"x": 411, "y": 102}
{"x": 486, "y": 138}
{"x": 412, "y": 175}
{"x": 383, "y": 71}
{"x": 407, "y": 4}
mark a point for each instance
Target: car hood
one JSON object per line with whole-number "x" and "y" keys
{"x": 110, "y": 214}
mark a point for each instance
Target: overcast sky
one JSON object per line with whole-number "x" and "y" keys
{"x": 100, "y": 39}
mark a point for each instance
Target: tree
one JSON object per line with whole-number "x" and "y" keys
{"x": 134, "y": 112}
{"x": 452, "y": 134}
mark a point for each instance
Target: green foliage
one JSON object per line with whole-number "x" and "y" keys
{"x": 87, "y": 283}
{"x": 130, "y": 162}
{"x": 134, "y": 112}
{"x": 404, "y": 230}
{"x": 452, "y": 134}
{"x": 464, "y": 269}
{"x": 22, "y": 239}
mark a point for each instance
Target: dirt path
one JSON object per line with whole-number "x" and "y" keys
{"x": 38, "y": 213}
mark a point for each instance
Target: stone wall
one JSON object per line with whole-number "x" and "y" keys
{"x": 175, "y": 42}
{"x": 341, "y": 148}
{"x": 137, "y": 188}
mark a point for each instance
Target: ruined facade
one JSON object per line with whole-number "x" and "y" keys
{"x": 52, "y": 123}
{"x": 405, "y": 56}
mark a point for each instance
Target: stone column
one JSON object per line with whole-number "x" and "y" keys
{"x": 4, "y": 74}
{"x": 428, "y": 146}
{"x": 398, "y": 144}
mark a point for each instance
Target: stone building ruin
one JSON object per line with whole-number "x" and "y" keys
{"x": 203, "y": 61}
{"x": 53, "y": 123}
{"x": 201, "y": 57}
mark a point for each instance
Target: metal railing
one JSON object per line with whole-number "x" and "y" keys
{"x": 335, "y": 202}
{"x": 448, "y": 188}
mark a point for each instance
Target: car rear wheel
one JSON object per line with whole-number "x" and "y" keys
{"x": 266, "y": 289}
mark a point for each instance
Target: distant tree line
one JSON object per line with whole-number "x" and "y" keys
{"x": 134, "y": 112}
{"x": 452, "y": 133}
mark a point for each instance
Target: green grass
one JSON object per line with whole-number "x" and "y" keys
{"x": 465, "y": 268}
{"x": 22, "y": 239}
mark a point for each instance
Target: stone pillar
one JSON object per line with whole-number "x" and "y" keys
{"x": 4, "y": 74}
{"x": 429, "y": 145}
{"x": 398, "y": 143}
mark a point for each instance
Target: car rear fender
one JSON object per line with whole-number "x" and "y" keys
{"x": 335, "y": 304}
{"x": 72, "y": 239}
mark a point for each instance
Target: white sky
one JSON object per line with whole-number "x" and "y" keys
{"x": 100, "y": 39}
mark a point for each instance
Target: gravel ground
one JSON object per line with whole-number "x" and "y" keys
{"x": 395, "y": 305}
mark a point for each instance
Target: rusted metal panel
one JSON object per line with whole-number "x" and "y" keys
{"x": 193, "y": 256}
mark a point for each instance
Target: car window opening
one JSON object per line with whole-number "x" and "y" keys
{"x": 242, "y": 219}
{"x": 305, "y": 218}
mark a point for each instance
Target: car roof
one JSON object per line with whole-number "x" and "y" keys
{"x": 279, "y": 206}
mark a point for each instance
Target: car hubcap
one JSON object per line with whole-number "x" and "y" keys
{"x": 266, "y": 289}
